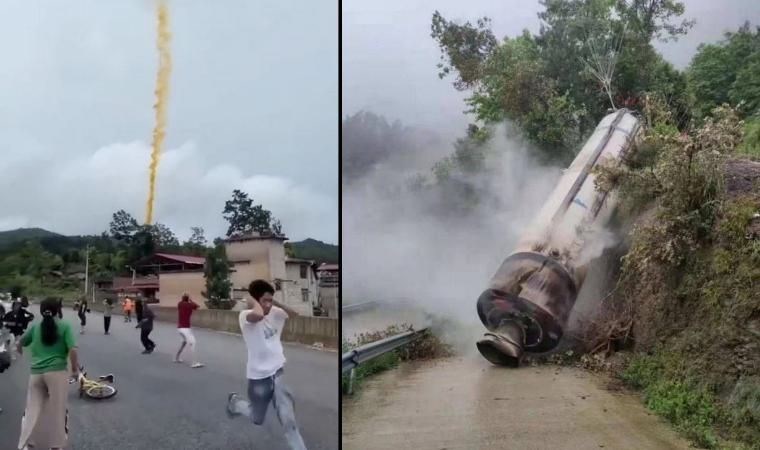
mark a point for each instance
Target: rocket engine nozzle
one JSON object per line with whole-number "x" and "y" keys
{"x": 505, "y": 346}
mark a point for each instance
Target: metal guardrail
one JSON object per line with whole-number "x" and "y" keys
{"x": 360, "y": 355}
{"x": 357, "y": 306}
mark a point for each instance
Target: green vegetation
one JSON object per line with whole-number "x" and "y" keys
{"x": 8, "y": 238}
{"x": 552, "y": 85}
{"x": 314, "y": 250}
{"x": 427, "y": 346}
{"x": 245, "y": 217}
{"x": 669, "y": 393}
{"x": 41, "y": 263}
{"x": 218, "y": 284}
{"x": 687, "y": 283}
{"x": 727, "y": 72}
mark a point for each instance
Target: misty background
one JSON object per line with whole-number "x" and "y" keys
{"x": 252, "y": 105}
{"x": 412, "y": 239}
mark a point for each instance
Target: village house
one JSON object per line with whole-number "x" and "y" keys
{"x": 328, "y": 276}
{"x": 163, "y": 278}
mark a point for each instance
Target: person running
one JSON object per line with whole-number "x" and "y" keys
{"x": 146, "y": 326}
{"x": 261, "y": 325}
{"x": 16, "y": 321}
{"x": 82, "y": 314}
{"x": 107, "y": 309}
{"x": 51, "y": 343}
{"x": 128, "y": 305}
{"x": 27, "y": 317}
{"x": 138, "y": 308}
{"x": 185, "y": 309}
{"x": 5, "y": 349}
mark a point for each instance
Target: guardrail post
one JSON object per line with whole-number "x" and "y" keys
{"x": 351, "y": 378}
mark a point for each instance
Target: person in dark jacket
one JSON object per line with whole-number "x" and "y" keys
{"x": 82, "y": 313}
{"x": 17, "y": 319}
{"x": 139, "y": 309}
{"x": 146, "y": 326}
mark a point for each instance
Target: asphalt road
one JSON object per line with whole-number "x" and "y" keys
{"x": 164, "y": 405}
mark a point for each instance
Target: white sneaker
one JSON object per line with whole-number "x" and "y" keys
{"x": 196, "y": 365}
{"x": 178, "y": 361}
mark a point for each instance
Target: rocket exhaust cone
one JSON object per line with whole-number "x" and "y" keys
{"x": 504, "y": 347}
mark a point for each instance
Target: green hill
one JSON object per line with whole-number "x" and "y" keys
{"x": 11, "y": 237}
{"x": 315, "y": 250}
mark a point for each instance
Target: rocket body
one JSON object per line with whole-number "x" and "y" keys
{"x": 529, "y": 299}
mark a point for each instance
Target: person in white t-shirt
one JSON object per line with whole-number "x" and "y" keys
{"x": 261, "y": 325}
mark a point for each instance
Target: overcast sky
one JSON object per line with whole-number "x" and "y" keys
{"x": 389, "y": 58}
{"x": 253, "y": 105}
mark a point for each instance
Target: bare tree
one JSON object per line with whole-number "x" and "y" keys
{"x": 603, "y": 55}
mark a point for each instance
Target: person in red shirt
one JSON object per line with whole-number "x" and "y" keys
{"x": 185, "y": 309}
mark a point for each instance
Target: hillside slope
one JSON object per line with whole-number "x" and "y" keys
{"x": 11, "y": 237}
{"x": 315, "y": 250}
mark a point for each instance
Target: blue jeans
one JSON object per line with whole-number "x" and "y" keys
{"x": 260, "y": 394}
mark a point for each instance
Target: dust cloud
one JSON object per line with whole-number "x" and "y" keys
{"x": 418, "y": 250}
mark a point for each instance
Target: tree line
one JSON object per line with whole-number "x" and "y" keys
{"x": 555, "y": 85}
{"x": 41, "y": 266}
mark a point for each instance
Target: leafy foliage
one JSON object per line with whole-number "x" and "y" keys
{"x": 686, "y": 282}
{"x": 163, "y": 237}
{"x": 123, "y": 226}
{"x": 464, "y": 48}
{"x": 543, "y": 84}
{"x": 727, "y": 72}
{"x": 245, "y": 217}
{"x": 314, "y": 250}
{"x": 197, "y": 243}
{"x": 218, "y": 284}
{"x": 751, "y": 143}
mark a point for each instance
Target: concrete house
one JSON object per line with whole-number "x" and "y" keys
{"x": 301, "y": 282}
{"x": 252, "y": 256}
{"x": 256, "y": 256}
{"x": 328, "y": 276}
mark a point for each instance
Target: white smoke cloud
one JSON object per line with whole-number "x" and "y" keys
{"x": 396, "y": 249}
{"x": 78, "y": 195}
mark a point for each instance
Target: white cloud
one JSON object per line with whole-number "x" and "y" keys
{"x": 76, "y": 78}
{"x": 78, "y": 195}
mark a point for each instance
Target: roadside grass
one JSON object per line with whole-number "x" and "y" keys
{"x": 428, "y": 346}
{"x": 693, "y": 407}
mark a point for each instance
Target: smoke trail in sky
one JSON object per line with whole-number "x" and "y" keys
{"x": 162, "y": 94}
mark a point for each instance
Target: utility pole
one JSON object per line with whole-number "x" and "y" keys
{"x": 87, "y": 271}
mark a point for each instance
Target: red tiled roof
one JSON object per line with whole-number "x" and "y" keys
{"x": 183, "y": 258}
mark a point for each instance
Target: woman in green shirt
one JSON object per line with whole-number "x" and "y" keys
{"x": 50, "y": 343}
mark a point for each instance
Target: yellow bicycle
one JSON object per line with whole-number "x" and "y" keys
{"x": 96, "y": 390}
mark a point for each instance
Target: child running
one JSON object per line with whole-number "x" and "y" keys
{"x": 185, "y": 309}
{"x": 261, "y": 325}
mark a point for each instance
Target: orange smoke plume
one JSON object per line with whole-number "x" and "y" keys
{"x": 162, "y": 94}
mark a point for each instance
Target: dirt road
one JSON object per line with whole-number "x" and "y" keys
{"x": 465, "y": 403}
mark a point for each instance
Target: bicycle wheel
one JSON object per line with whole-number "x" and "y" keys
{"x": 101, "y": 392}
